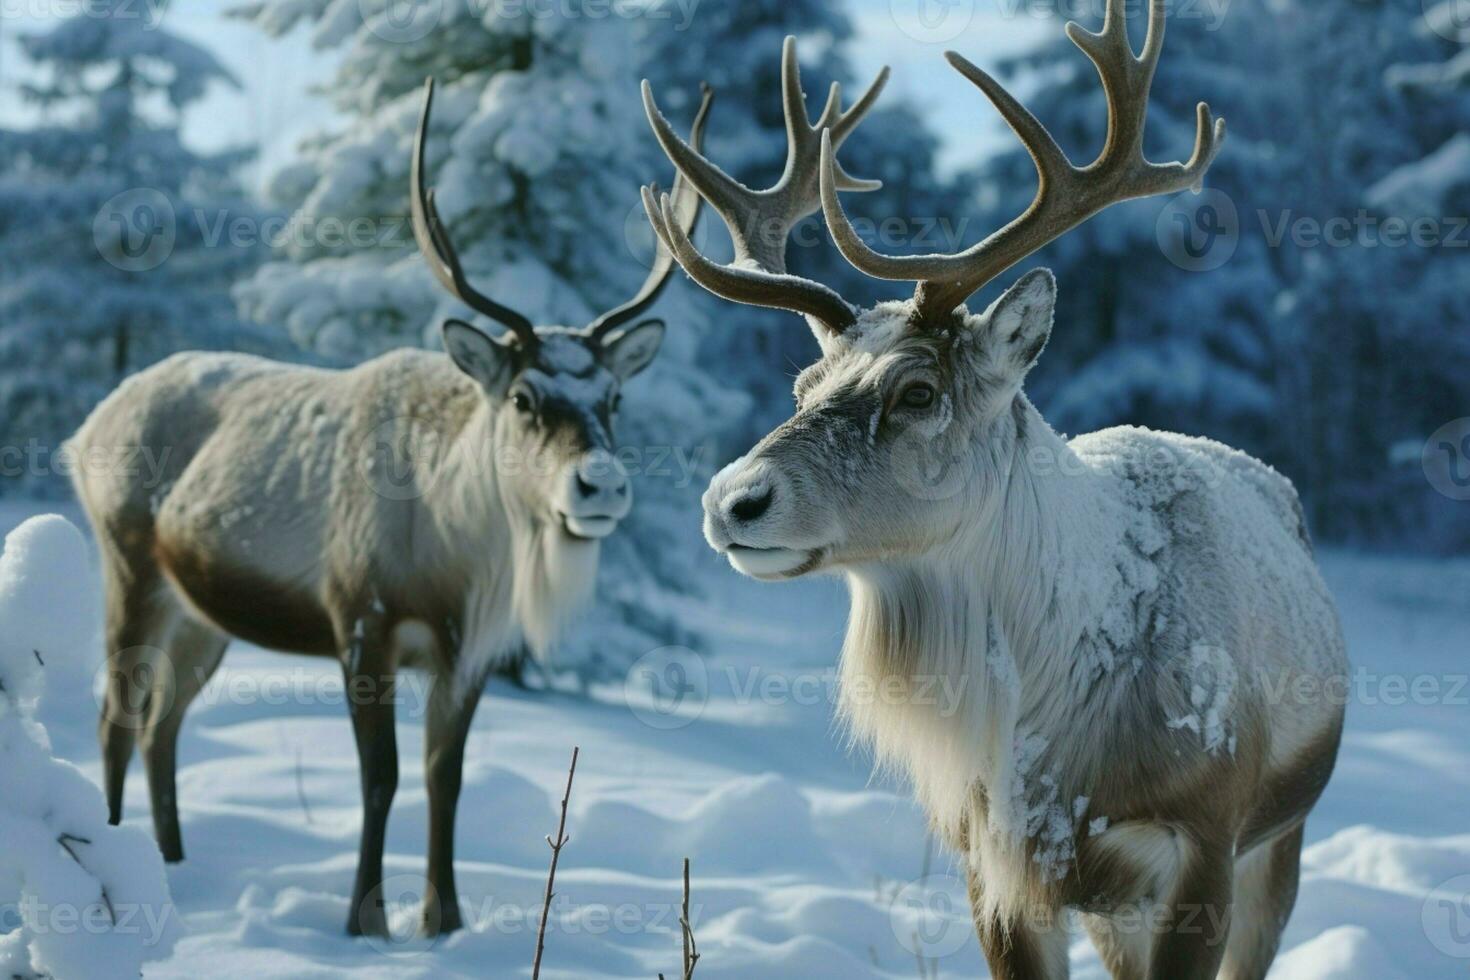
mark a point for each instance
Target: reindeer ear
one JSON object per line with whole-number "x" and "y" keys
{"x": 1019, "y": 323}
{"x": 631, "y": 349}
{"x": 488, "y": 360}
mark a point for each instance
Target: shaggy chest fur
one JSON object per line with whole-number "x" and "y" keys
{"x": 1097, "y": 660}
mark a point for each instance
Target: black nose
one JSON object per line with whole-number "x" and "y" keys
{"x": 752, "y": 507}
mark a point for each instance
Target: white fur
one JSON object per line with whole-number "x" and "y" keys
{"x": 1059, "y": 578}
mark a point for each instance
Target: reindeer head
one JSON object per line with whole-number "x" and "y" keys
{"x": 552, "y": 391}
{"x": 907, "y": 427}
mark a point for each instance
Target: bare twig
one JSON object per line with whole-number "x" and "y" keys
{"x": 66, "y": 841}
{"x": 691, "y": 951}
{"x": 556, "y": 846}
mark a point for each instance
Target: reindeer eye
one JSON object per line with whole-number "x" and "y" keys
{"x": 919, "y": 395}
{"x": 522, "y": 401}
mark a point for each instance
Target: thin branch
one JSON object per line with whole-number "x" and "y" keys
{"x": 66, "y": 841}
{"x": 691, "y": 951}
{"x": 556, "y": 846}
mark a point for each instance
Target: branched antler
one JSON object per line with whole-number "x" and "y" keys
{"x": 1067, "y": 194}
{"x": 433, "y": 239}
{"x": 759, "y": 221}
{"x": 686, "y": 201}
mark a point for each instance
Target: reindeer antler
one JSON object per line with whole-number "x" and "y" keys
{"x": 433, "y": 239}
{"x": 686, "y": 202}
{"x": 760, "y": 221}
{"x": 1067, "y": 195}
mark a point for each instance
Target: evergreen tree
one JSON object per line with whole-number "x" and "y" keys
{"x": 112, "y": 245}
{"x": 1232, "y": 314}
{"x": 538, "y": 148}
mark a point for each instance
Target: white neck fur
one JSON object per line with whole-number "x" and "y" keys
{"x": 985, "y": 624}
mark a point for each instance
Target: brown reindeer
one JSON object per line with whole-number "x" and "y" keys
{"x": 1134, "y": 620}
{"x": 289, "y": 516}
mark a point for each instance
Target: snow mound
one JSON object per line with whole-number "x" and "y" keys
{"x": 43, "y": 574}
{"x": 83, "y": 899}
{"x": 1344, "y": 953}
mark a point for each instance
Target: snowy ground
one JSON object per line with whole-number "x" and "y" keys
{"x": 802, "y": 867}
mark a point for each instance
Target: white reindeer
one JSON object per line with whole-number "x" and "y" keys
{"x": 1134, "y": 619}
{"x": 289, "y": 516}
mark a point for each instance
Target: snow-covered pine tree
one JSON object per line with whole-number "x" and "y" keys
{"x": 538, "y": 148}
{"x": 82, "y": 898}
{"x": 1255, "y": 330}
{"x": 113, "y": 251}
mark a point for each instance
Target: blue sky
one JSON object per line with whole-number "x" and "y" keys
{"x": 274, "y": 108}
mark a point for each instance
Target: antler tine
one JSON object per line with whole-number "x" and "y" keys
{"x": 751, "y": 286}
{"x": 1066, "y": 194}
{"x": 1052, "y": 167}
{"x": 759, "y": 221}
{"x": 686, "y": 206}
{"x": 1126, "y": 78}
{"x": 433, "y": 240}
{"x": 798, "y": 188}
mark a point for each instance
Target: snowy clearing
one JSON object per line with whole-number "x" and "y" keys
{"x": 802, "y": 866}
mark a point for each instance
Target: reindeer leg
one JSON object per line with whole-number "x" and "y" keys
{"x": 1265, "y": 891}
{"x": 1192, "y": 942}
{"x": 194, "y": 651}
{"x": 451, "y": 710}
{"x": 1021, "y": 950}
{"x": 135, "y": 633}
{"x": 369, "y": 678}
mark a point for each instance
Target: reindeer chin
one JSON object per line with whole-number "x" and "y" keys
{"x": 588, "y": 528}
{"x": 772, "y": 564}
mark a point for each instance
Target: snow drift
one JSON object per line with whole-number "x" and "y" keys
{"x": 78, "y": 898}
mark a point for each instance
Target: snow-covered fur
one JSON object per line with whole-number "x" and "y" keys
{"x": 418, "y": 509}
{"x": 1140, "y": 645}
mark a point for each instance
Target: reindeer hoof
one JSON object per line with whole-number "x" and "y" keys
{"x": 367, "y": 918}
{"x": 440, "y": 918}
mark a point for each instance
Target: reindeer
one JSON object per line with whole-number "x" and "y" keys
{"x": 418, "y": 509}
{"x": 1134, "y": 620}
